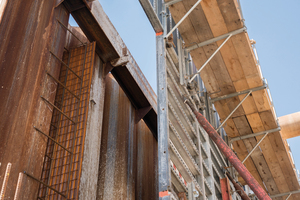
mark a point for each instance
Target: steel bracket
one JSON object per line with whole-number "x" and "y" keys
{"x": 234, "y": 110}
{"x": 238, "y": 93}
{"x": 231, "y": 140}
{"x": 183, "y": 18}
{"x": 207, "y": 42}
{"x": 209, "y": 59}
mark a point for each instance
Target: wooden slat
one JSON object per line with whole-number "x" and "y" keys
{"x": 244, "y": 128}
{"x": 266, "y": 147}
{"x": 280, "y": 152}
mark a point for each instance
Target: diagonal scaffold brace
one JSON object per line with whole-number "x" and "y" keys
{"x": 230, "y": 155}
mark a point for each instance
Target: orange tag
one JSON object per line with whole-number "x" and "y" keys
{"x": 163, "y": 194}
{"x": 160, "y": 33}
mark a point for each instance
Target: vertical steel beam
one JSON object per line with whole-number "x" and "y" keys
{"x": 181, "y": 61}
{"x": 208, "y": 161}
{"x": 200, "y": 160}
{"x": 164, "y": 175}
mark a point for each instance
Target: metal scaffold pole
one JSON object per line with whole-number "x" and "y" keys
{"x": 164, "y": 173}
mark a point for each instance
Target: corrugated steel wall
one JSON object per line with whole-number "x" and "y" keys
{"x": 128, "y": 157}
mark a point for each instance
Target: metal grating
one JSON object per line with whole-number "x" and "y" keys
{"x": 63, "y": 158}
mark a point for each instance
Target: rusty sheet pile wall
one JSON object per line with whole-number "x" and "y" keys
{"x": 128, "y": 157}
{"x": 28, "y": 30}
{"x": 68, "y": 129}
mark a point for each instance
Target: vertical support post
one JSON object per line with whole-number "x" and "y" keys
{"x": 186, "y": 63}
{"x": 181, "y": 60}
{"x": 200, "y": 178}
{"x": 164, "y": 175}
{"x": 208, "y": 162}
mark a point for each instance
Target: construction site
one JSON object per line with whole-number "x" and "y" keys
{"x": 79, "y": 120}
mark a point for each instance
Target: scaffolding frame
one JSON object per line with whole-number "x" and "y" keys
{"x": 205, "y": 182}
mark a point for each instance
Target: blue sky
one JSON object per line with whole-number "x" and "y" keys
{"x": 274, "y": 25}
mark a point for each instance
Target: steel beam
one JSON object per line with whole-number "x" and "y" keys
{"x": 183, "y": 18}
{"x": 201, "y": 44}
{"x": 249, "y": 154}
{"x": 201, "y": 176}
{"x": 209, "y": 59}
{"x": 164, "y": 172}
{"x": 254, "y": 135}
{"x": 238, "y": 93}
{"x": 148, "y": 8}
{"x": 234, "y": 110}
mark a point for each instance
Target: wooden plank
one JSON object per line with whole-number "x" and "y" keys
{"x": 244, "y": 52}
{"x": 269, "y": 154}
{"x": 263, "y": 169}
{"x": 241, "y": 41}
{"x": 241, "y": 150}
{"x": 217, "y": 64}
{"x": 188, "y": 33}
{"x": 280, "y": 150}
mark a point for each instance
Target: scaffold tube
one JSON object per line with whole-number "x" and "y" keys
{"x": 230, "y": 155}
